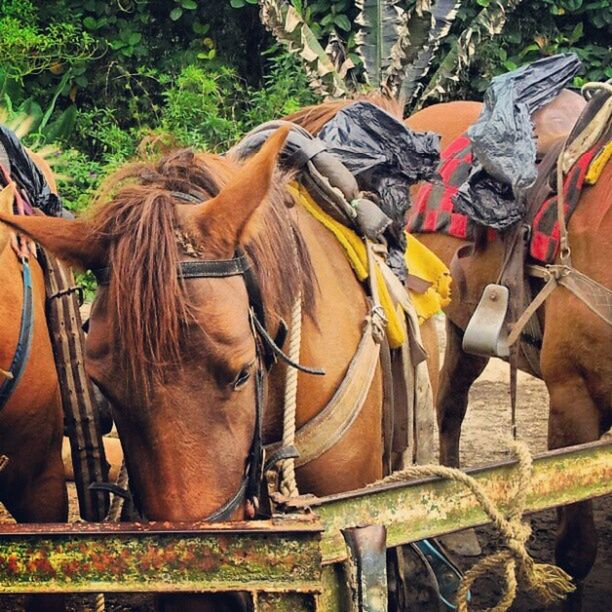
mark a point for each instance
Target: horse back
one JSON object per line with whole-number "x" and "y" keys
{"x": 449, "y": 119}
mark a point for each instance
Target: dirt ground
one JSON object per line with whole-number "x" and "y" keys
{"x": 486, "y": 425}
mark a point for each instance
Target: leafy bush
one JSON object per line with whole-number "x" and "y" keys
{"x": 539, "y": 28}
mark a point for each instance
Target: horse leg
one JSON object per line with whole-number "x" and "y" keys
{"x": 459, "y": 371}
{"x": 574, "y": 419}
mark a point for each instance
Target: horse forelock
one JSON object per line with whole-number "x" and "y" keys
{"x": 136, "y": 216}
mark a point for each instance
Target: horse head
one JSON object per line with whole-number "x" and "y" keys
{"x": 171, "y": 340}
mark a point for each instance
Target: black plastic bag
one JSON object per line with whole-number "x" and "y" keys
{"x": 384, "y": 155}
{"x": 503, "y": 142}
{"x": 27, "y": 175}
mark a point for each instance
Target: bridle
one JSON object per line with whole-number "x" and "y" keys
{"x": 267, "y": 350}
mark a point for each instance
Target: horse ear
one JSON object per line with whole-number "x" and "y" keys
{"x": 68, "y": 239}
{"x": 7, "y": 196}
{"x": 224, "y": 218}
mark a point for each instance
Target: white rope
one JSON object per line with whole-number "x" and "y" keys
{"x": 587, "y": 89}
{"x": 100, "y": 603}
{"x": 288, "y": 484}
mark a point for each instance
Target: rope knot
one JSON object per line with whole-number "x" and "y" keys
{"x": 379, "y": 323}
{"x": 547, "y": 582}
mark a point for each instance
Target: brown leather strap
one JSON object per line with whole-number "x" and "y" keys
{"x": 78, "y": 399}
{"x": 328, "y": 427}
{"x": 331, "y": 424}
{"x": 517, "y": 328}
{"x": 388, "y": 409}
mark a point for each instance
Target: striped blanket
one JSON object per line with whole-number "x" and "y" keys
{"x": 434, "y": 210}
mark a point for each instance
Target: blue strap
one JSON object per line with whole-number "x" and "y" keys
{"x": 446, "y": 572}
{"x": 24, "y": 343}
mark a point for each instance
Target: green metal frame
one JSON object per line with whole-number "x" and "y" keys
{"x": 287, "y": 560}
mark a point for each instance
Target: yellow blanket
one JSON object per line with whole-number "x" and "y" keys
{"x": 426, "y": 265}
{"x": 420, "y": 261}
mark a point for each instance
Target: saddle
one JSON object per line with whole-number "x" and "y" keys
{"x": 555, "y": 120}
{"x": 329, "y": 192}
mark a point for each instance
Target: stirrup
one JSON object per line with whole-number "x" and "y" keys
{"x": 486, "y": 332}
{"x": 445, "y": 574}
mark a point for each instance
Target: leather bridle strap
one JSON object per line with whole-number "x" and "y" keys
{"x": 198, "y": 268}
{"x": 24, "y": 341}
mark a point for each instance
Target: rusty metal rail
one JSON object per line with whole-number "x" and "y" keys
{"x": 281, "y": 558}
{"x": 431, "y": 507}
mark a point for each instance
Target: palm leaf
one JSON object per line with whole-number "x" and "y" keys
{"x": 413, "y": 37}
{"x": 442, "y": 17}
{"x": 487, "y": 24}
{"x": 290, "y": 29}
{"x": 381, "y": 23}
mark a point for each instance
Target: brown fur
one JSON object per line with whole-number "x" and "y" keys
{"x": 313, "y": 118}
{"x": 575, "y": 354}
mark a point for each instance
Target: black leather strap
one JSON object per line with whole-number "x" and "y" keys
{"x": 24, "y": 341}
{"x": 214, "y": 268}
{"x": 201, "y": 268}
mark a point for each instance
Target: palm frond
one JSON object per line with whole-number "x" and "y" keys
{"x": 487, "y": 24}
{"x": 381, "y": 23}
{"x": 442, "y": 16}
{"x": 289, "y": 28}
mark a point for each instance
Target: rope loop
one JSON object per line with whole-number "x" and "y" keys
{"x": 547, "y": 582}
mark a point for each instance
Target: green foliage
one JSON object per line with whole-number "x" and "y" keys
{"x": 285, "y": 90}
{"x": 97, "y": 76}
{"x": 539, "y": 28}
{"x": 199, "y": 108}
{"x": 26, "y": 47}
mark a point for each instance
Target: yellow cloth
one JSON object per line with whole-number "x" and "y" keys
{"x": 598, "y": 164}
{"x": 426, "y": 265}
{"x": 358, "y": 258}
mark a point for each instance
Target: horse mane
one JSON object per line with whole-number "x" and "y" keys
{"x": 134, "y": 215}
{"x": 313, "y": 118}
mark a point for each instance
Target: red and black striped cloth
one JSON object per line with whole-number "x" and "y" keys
{"x": 433, "y": 209}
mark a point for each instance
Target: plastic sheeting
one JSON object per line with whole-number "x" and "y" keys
{"x": 386, "y": 158}
{"x": 27, "y": 175}
{"x": 503, "y": 142}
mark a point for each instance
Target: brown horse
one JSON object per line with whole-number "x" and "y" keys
{"x": 31, "y": 423}
{"x": 574, "y": 360}
{"x": 576, "y": 344}
{"x": 178, "y": 359}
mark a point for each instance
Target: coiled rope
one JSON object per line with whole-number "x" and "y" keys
{"x": 548, "y": 583}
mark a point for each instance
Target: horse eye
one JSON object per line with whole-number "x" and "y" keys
{"x": 241, "y": 379}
